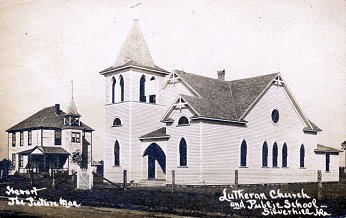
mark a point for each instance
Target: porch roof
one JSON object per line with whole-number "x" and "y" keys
{"x": 45, "y": 150}
{"x": 156, "y": 134}
{"x": 322, "y": 149}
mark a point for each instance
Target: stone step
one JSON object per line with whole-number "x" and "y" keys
{"x": 152, "y": 183}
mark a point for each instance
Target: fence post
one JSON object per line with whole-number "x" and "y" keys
{"x": 319, "y": 184}
{"x": 173, "y": 180}
{"x": 236, "y": 179}
{"x": 53, "y": 181}
{"x": 125, "y": 179}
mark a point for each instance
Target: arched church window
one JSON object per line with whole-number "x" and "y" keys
{"x": 284, "y": 155}
{"x": 142, "y": 97}
{"x": 116, "y": 154}
{"x": 122, "y": 91}
{"x": 182, "y": 153}
{"x": 302, "y": 156}
{"x": 265, "y": 155}
{"x": 183, "y": 121}
{"x": 275, "y": 155}
{"x": 117, "y": 122}
{"x": 243, "y": 153}
{"x": 113, "y": 89}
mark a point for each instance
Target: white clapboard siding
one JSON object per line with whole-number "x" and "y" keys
{"x": 113, "y": 134}
{"x": 145, "y": 118}
{"x": 191, "y": 133}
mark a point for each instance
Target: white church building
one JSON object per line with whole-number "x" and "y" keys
{"x": 205, "y": 129}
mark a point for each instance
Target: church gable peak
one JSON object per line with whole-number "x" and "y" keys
{"x": 134, "y": 49}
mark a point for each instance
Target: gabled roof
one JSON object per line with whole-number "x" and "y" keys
{"x": 230, "y": 101}
{"x": 322, "y": 149}
{"x": 45, "y": 150}
{"x": 156, "y": 134}
{"x": 224, "y": 99}
{"x": 45, "y": 118}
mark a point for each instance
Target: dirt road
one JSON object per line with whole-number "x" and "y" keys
{"x": 73, "y": 212}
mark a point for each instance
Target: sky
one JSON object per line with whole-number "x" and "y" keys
{"x": 46, "y": 44}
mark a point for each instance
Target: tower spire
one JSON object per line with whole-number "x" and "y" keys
{"x": 134, "y": 49}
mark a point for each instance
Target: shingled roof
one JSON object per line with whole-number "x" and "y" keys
{"x": 224, "y": 99}
{"x": 322, "y": 149}
{"x": 45, "y": 118}
{"x": 134, "y": 53}
{"x": 227, "y": 100}
{"x": 158, "y": 133}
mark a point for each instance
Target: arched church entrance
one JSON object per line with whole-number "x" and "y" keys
{"x": 156, "y": 161}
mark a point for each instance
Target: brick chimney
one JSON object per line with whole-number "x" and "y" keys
{"x": 221, "y": 75}
{"x": 57, "y": 108}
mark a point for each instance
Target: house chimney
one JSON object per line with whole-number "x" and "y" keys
{"x": 221, "y": 75}
{"x": 57, "y": 108}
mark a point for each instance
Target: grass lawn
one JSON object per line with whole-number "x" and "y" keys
{"x": 192, "y": 201}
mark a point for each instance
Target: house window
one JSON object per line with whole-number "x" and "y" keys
{"x": 265, "y": 155}
{"x": 275, "y": 155}
{"x": 182, "y": 153}
{"x": 14, "y": 160}
{"x": 113, "y": 89}
{"x": 21, "y": 138}
{"x": 284, "y": 155}
{"x": 75, "y": 137}
{"x": 243, "y": 153}
{"x": 142, "y": 97}
{"x": 302, "y": 156}
{"x": 183, "y": 121}
{"x": 29, "y": 137}
{"x": 116, "y": 154}
{"x": 122, "y": 94}
{"x": 275, "y": 116}
{"x": 20, "y": 158}
{"x": 13, "y": 139}
{"x": 117, "y": 122}
{"x": 57, "y": 137}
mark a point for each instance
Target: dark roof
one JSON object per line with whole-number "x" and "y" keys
{"x": 322, "y": 149}
{"x": 224, "y": 99}
{"x": 45, "y": 118}
{"x": 227, "y": 100}
{"x": 158, "y": 133}
{"x": 133, "y": 64}
{"x": 45, "y": 150}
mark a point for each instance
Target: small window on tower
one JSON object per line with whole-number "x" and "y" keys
{"x": 117, "y": 122}
{"x": 75, "y": 137}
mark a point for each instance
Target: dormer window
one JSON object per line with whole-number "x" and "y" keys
{"x": 117, "y": 122}
{"x": 183, "y": 121}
